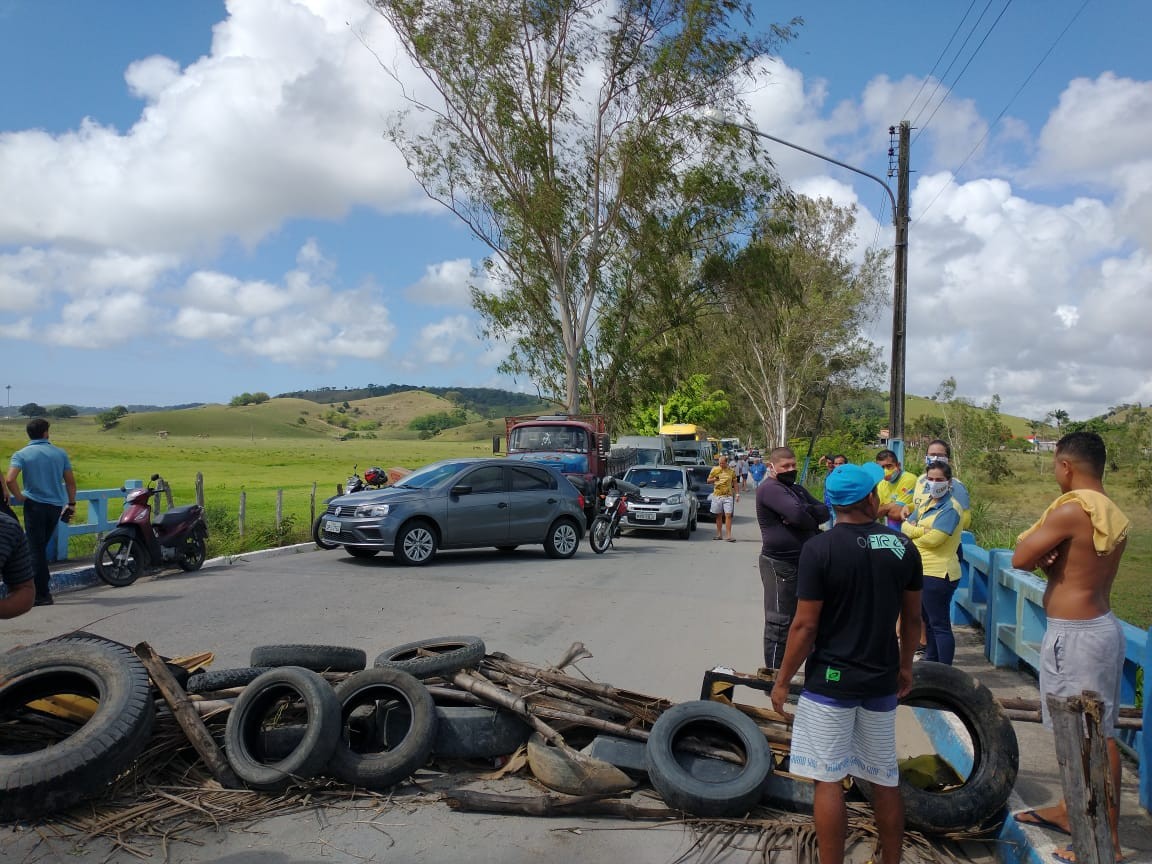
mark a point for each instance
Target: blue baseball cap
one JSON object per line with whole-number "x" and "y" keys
{"x": 848, "y": 484}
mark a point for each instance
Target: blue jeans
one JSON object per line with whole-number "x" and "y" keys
{"x": 936, "y": 607}
{"x": 40, "y": 521}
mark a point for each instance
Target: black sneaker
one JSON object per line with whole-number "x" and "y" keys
{"x": 44, "y": 601}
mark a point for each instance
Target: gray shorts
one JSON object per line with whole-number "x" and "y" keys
{"x": 1083, "y": 655}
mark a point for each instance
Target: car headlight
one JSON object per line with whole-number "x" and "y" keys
{"x": 372, "y": 510}
{"x": 674, "y": 499}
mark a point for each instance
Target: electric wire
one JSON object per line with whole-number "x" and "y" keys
{"x": 962, "y": 71}
{"x": 1004, "y": 110}
{"x": 959, "y": 51}
{"x": 944, "y": 50}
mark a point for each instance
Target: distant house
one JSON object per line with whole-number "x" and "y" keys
{"x": 1039, "y": 445}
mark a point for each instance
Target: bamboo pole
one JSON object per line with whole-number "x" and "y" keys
{"x": 312, "y": 505}
{"x": 243, "y": 507}
{"x": 199, "y": 488}
{"x": 187, "y": 716}
{"x": 490, "y": 692}
{"x": 279, "y": 509}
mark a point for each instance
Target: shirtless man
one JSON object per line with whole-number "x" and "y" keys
{"x": 1078, "y": 543}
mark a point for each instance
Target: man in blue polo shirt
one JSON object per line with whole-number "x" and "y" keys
{"x": 49, "y": 495}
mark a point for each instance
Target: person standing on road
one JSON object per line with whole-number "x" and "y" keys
{"x": 15, "y": 569}
{"x": 724, "y": 496}
{"x": 896, "y": 489}
{"x": 854, "y": 582}
{"x": 49, "y": 495}
{"x": 1078, "y": 543}
{"x": 788, "y": 516}
{"x": 757, "y": 470}
{"x": 934, "y": 527}
{"x": 836, "y": 461}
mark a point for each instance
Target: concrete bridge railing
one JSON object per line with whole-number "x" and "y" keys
{"x": 1008, "y": 605}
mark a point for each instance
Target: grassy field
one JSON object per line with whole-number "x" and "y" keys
{"x": 264, "y": 448}
{"x": 918, "y": 406}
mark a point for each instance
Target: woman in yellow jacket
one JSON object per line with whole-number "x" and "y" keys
{"x": 934, "y": 526}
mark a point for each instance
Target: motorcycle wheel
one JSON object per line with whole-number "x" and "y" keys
{"x": 120, "y": 561}
{"x": 600, "y": 537}
{"x": 318, "y": 535}
{"x": 193, "y": 554}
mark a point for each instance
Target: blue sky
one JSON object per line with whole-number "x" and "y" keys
{"x": 198, "y": 198}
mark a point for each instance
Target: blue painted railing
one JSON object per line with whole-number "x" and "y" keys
{"x": 1008, "y": 605}
{"x": 99, "y": 519}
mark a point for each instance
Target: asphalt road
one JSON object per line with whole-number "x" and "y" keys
{"x": 655, "y": 612}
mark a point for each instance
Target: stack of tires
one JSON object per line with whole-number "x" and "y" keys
{"x": 373, "y": 729}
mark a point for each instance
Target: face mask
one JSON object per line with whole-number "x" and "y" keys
{"x": 893, "y": 477}
{"x": 787, "y": 477}
{"x": 928, "y": 460}
{"x": 938, "y": 488}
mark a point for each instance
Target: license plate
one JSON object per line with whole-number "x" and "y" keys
{"x": 331, "y": 526}
{"x": 643, "y": 516}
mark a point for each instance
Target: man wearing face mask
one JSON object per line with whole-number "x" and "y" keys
{"x": 789, "y": 517}
{"x": 895, "y": 489}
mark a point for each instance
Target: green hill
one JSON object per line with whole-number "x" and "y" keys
{"x": 919, "y": 406}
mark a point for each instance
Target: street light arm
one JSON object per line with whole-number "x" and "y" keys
{"x": 861, "y": 172}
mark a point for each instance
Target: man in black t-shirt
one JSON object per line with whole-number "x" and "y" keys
{"x": 15, "y": 569}
{"x": 854, "y": 582}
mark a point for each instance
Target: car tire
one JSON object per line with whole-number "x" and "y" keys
{"x": 380, "y": 764}
{"x": 224, "y": 679}
{"x": 415, "y": 544}
{"x": 449, "y": 654}
{"x": 995, "y": 756}
{"x": 361, "y": 551}
{"x": 83, "y": 764}
{"x": 318, "y": 658}
{"x": 680, "y": 788}
{"x": 563, "y": 539}
{"x": 318, "y": 534}
{"x": 245, "y": 733}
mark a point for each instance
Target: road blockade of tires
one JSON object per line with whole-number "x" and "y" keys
{"x": 76, "y": 714}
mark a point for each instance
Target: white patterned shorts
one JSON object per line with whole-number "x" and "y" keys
{"x": 829, "y": 742}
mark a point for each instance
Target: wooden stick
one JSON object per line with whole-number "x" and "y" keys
{"x": 1016, "y": 703}
{"x": 187, "y": 716}
{"x": 469, "y": 800}
{"x": 1025, "y": 716}
{"x": 490, "y": 692}
{"x": 1082, "y": 771}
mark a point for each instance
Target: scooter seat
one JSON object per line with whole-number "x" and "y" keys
{"x": 177, "y": 515}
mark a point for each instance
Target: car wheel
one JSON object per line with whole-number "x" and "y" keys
{"x": 416, "y": 544}
{"x": 318, "y": 534}
{"x": 360, "y": 551}
{"x": 563, "y": 539}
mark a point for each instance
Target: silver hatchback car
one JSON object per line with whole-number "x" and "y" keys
{"x": 667, "y": 500}
{"x": 460, "y": 504}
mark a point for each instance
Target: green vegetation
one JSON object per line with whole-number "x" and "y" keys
{"x": 249, "y": 399}
{"x": 432, "y": 424}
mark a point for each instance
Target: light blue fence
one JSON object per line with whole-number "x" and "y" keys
{"x": 99, "y": 521}
{"x": 1008, "y": 605}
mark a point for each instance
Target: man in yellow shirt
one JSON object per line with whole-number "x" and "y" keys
{"x": 724, "y": 495}
{"x": 895, "y": 490}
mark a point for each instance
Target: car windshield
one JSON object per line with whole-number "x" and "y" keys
{"x": 572, "y": 439}
{"x": 648, "y": 457}
{"x": 430, "y": 475}
{"x": 654, "y": 478}
{"x": 700, "y": 474}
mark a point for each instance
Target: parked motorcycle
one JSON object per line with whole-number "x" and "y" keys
{"x": 374, "y": 478}
{"x": 138, "y": 542}
{"x": 606, "y": 526}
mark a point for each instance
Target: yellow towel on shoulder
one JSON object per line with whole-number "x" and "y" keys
{"x": 1109, "y": 524}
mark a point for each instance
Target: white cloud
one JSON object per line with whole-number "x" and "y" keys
{"x": 283, "y": 119}
{"x": 441, "y": 342}
{"x": 445, "y": 284}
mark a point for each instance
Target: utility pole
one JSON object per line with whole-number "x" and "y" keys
{"x": 900, "y": 298}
